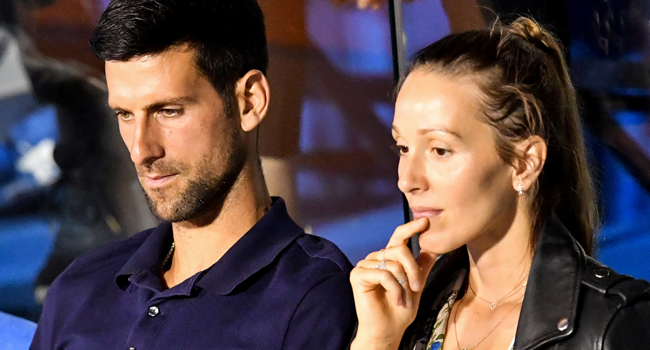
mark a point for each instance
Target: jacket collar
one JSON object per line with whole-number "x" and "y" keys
{"x": 550, "y": 304}
{"x": 551, "y": 298}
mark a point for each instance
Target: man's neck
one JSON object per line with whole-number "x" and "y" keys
{"x": 200, "y": 243}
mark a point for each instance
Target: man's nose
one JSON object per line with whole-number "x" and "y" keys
{"x": 145, "y": 143}
{"x": 412, "y": 174}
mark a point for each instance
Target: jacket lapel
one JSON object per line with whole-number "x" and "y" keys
{"x": 550, "y": 304}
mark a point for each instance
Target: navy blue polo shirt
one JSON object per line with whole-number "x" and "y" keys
{"x": 276, "y": 288}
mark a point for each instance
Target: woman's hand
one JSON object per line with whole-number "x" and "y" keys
{"x": 387, "y": 287}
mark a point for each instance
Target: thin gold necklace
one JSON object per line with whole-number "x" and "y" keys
{"x": 494, "y": 304}
{"x": 169, "y": 255}
{"x": 487, "y": 335}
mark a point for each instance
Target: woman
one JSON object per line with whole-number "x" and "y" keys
{"x": 493, "y": 165}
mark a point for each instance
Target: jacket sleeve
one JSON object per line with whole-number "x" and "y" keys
{"x": 629, "y": 328}
{"x": 325, "y": 319}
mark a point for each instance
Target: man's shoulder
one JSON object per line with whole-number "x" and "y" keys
{"x": 311, "y": 261}
{"x": 105, "y": 260}
{"x": 324, "y": 252}
{"x": 89, "y": 276}
{"x": 316, "y": 276}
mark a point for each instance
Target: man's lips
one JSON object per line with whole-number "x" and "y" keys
{"x": 423, "y": 212}
{"x": 155, "y": 181}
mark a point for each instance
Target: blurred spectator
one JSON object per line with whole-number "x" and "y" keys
{"x": 61, "y": 161}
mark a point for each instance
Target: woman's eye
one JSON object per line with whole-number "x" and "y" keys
{"x": 400, "y": 149}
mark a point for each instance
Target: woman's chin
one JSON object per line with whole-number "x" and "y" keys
{"x": 435, "y": 243}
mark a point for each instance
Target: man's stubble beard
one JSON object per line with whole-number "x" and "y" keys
{"x": 207, "y": 189}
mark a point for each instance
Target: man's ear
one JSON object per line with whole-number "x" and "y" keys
{"x": 532, "y": 156}
{"x": 253, "y": 94}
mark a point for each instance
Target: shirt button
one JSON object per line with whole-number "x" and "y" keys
{"x": 131, "y": 348}
{"x": 153, "y": 312}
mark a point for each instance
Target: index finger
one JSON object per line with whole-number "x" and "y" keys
{"x": 404, "y": 232}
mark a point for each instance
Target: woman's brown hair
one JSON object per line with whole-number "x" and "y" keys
{"x": 526, "y": 91}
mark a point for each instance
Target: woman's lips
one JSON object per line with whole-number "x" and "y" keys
{"x": 425, "y": 212}
{"x": 157, "y": 181}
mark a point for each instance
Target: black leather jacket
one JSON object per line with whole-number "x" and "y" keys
{"x": 571, "y": 301}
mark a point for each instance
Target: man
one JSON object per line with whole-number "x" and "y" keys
{"x": 228, "y": 269}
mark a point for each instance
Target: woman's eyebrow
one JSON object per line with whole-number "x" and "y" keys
{"x": 439, "y": 129}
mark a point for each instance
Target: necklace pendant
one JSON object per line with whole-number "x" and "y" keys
{"x": 493, "y": 306}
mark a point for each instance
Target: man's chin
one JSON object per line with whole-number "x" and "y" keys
{"x": 161, "y": 210}
{"x": 176, "y": 211}
{"x": 161, "y": 214}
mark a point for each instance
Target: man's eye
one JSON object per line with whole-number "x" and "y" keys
{"x": 441, "y": 152}
{"x": 400, "y": 149}
{"x": 169, "y": 112}
{"x": 123, "y": 116}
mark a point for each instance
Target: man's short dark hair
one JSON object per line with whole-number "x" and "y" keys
{"x": 228, "y": 35}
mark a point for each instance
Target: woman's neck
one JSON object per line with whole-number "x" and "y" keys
{"x": 500, "y": 262}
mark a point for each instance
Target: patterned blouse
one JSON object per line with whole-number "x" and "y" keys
{"x": 440, "y": 326}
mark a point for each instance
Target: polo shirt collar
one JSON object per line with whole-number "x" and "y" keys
{"x": 258, "y": 248}
{"x": 148, "y": 258}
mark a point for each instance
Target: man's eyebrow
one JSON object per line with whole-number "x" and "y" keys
{"x": 172, "y": 101}
{"x": 160, "y": 104}
{"x": 442, "y": 130}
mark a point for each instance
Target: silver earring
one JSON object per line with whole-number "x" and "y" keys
{"x": 520, "y": 189}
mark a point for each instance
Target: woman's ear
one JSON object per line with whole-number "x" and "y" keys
{"x": 253, "y": 94}
{"x": 532, "y": 156}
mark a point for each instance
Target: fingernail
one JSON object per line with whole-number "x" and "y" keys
{"x": 416, "y": 286}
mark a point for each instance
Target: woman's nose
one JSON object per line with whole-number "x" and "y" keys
{"x": 412, "y": 174}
